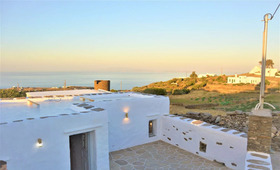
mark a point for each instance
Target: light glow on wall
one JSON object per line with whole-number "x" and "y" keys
{"x": 126, "y": 109}
{"x": 126, "y": 121}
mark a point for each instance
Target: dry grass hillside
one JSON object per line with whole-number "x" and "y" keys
{"x": 215, "y": 83}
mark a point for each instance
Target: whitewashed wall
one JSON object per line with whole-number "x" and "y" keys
{"x": 258, "y": 160}
{"x": 124, "y": 133}
{"x": 227, "y": 146}
{"x": 18, "y": 141}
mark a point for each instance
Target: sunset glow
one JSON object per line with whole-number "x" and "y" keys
{"x": 135, "y": 36}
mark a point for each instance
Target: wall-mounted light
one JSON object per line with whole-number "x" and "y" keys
{"x": 39, "y": 142}
{"x": 126, "y": 115}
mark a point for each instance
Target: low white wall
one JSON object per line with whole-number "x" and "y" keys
{"x": 257, "y": 160}
{"x": 134, "y": 130}
{"x": 18, "y": 141}
{"x": 228, "y": 146}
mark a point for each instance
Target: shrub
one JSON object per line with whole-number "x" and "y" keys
{"x": 186, "y": 91}
{"x": 174, "y": 80}
{"x": 168, "y": 90}
{"x": 189, "y": 82}
{"x": 267, "y": 82}
{"x": 113, "y": 90}
{"x": 193, "y": 75}
{"x": 180, "y": 91}
{"x": 221, "y": 79}
{"x": 11, "y": 93}
{"x": 177, "y": 92}
{"x": 157, "y": 91}
{"x": 199, "y": 86}
{"x": 136, "y": 89}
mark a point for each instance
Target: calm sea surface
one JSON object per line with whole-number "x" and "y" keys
{"x": 56, "y": 79}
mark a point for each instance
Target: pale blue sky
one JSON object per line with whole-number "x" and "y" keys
{"x": 150, "y": 36}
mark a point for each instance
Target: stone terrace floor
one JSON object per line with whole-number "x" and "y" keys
{"x": 159, "y": 156}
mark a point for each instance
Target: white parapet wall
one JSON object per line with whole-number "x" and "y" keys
{"x": 258, "y": 160}
{"x": 215, "y": 143}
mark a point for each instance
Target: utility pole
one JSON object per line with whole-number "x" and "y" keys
{"x": 264, "y": 51}
{"x": 121, "y": 85}
{"x": 64, "y": 83}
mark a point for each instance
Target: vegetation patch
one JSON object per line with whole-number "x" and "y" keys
{"x": 157, "y": 91}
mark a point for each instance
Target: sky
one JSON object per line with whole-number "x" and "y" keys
{"x": 138, "y": 36}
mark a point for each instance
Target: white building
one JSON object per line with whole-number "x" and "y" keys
{"x": 269, "y": 72}
{"x": 79, "y": 132}
{"x": 206, "y": 75}
{"x": 59, "y": 133}
{"x": 243, "y": 79}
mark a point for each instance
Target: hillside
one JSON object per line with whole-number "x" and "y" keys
{"x": 215, "y": 83}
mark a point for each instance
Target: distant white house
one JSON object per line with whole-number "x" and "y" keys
{"x": 269, "y": 72}
{"x": 243, "y": 79}
{"x": 205, "y": 75}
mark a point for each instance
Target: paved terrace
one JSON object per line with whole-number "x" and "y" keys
{"x": 159, "y": 156}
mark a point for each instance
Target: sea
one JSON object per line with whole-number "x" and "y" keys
{"x": 124, "y": 81}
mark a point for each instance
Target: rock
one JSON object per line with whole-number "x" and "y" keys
{"x": 222, "y": 122}
{"x": 230, "y": 113}
{"x": 192, "y": 113}
{"x": 218, "y": 119}
{"x": 238, "y": 112}
{"x": 245, "y": 129}
{"x": 206, "y": 115}
{"x": 273, "y": 130}
{"x": 248, "y": 113}
{"x": 275, "y": 113}
{"x": 278, "y": 133}
{"x": 213, "y": 118}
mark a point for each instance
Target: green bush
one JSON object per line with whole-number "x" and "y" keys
{"x": 267, "y": 82}
{"x": 157, "y": 91}
{"x": 113, "y": 90}
{"x": 190, "y": 82}
{"x": 180, "y": 91}
{"x": 11, "y": 93}
{"x": 177, "y": 92}
{"x": 174, "y": 80}
{"x": 220, "y": 79}
{"x": 136, "y": 89}
{"x": 199, "y": 86}
{"x": 186, "y": 91}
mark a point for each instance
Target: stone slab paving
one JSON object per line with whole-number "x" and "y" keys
{"x": 275, "y": 157}
{"x": 159, "y": 156}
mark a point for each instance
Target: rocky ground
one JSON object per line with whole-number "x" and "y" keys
{"x": 238, "y": 120}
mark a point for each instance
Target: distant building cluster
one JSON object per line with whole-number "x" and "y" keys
{"x": 269, "y": 72}
{"x": 206, "y": 75}
{"x": 243, "y": 79}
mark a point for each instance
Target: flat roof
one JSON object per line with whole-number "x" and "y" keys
{"x": 22, "y": 109}
{"x": 63, "y": 93}
{"x": 13, "y": 111}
